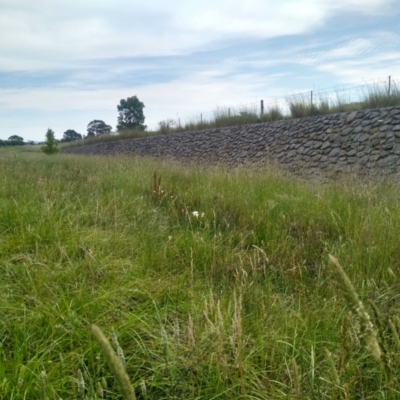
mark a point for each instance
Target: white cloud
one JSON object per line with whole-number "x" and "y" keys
{"x": 48, "y": 34}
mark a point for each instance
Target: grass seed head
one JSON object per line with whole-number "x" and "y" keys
{"x": 115, "y": 364}
{"x": 367, "y": 330}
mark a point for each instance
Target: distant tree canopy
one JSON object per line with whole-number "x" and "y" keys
{"x": 4, "y": 143}
{"x": 70, "y": 135}
{"x": 13, "y": 140}
{"x": 130, "y": 114}
{"x": 16, "y": 137}
{"x": 98, "y": 127}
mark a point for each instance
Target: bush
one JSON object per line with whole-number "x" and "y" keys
{"x": 50, "y": 145}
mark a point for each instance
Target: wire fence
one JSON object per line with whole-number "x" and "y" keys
{"x": 347, "y": 94}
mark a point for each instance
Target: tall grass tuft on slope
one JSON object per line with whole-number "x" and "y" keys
{"x": 380, "y": 96}
{"x": 211, "y": 283}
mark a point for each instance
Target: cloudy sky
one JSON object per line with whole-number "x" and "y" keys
{"x": 64, "y": 63}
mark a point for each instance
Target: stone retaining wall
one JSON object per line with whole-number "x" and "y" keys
{"x": 366, "y": 142}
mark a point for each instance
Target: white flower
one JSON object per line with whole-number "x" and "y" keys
{"x": 197, "y": 214}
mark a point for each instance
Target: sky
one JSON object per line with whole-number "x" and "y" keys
{"x": 64, "y": 63}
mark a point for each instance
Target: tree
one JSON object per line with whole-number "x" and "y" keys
{"x": 16, "y": 138}
{"x": 98, "y": 127}
{"x": 50, "y": 145}
{"x": 130, "y": 114}
{"x": 70, "y": 135}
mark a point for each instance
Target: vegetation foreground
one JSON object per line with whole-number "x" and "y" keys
{"x": 209, "y": 284}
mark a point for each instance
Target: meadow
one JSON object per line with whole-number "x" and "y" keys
{"x": 209, "y": 283}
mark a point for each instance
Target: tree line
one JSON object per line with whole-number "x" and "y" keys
{"x": 130, "y": 116}
{"x": 14, "y": 140}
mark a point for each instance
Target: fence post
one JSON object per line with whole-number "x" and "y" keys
{"x": 179, "y": 123}
{"x": 229, "y": 112}
{"x": 311, "y": 98}
{"x": 390, "y": 79}
{"x": 262, "y": 107}
{"x": 201, "y": 118}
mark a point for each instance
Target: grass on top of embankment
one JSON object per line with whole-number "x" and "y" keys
{"x": 209, "y": 284}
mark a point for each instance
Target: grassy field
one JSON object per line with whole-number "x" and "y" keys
{"x": 209, "y": 284}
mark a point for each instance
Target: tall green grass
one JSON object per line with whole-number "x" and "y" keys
{"x": 210, "y": 284}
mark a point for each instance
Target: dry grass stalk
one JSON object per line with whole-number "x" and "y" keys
{"x": 236, "y": 339}
{"x": 81, "y": 384}
{"x": 118, "y": 347}
{"x": 156, "y": 184}
{"x": 334, "y": 373}
{"x": 381, "y": 336}
{"x": 115, "y": 364}
{"x": 190, "y": 332}
{"x": 296, "y": 378}
{"x": 237, "y": 335}
{"x": 346, "y": 345}
{"x": 164, "y": 339}
{"x": 99, "y": 390}
{"x": 357, "y": 308}
{"x": 21, "y": 376}
{"x": 143, "y": 388}
{"x": 177, "y": 332}
{"x": 395, "y": 334}
{"x": 43, "y": 385}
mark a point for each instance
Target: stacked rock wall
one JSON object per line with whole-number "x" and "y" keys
{"x": 365, "y": 141}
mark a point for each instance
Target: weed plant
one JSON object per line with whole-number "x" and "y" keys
{"x": 143, "y": 279}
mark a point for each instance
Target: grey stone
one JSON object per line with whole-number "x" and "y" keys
{"x": 317, "y": 145}
{"x": 364, "y": 137}
{"x": 373, "y": 115}
{"x": 334, "y": 152}
{"x": 346, "y": 131}
{"x": 375, "y": 142}
{"x": 388, "y": 161}
{"x": 301, "y": 150}
{"x": 388, "y": 146}
{"x": 363, "y": 160}
{"x": 351, "y": 117}
{"x": 396, "y": 149}
{"x": 325, "y": 145}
